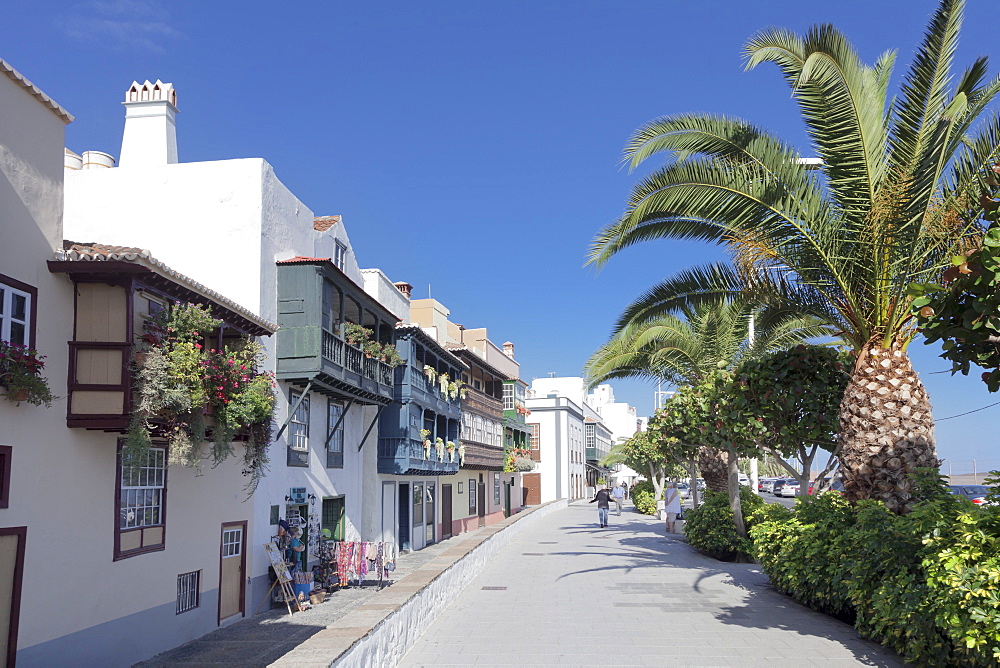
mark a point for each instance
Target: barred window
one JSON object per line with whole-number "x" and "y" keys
{"x": 142, "y": 490}
{"x": 188, "y": 591}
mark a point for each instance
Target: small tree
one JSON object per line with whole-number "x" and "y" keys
{"x": 791, "y": 400}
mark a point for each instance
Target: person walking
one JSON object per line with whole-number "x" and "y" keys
{"x": 619, "y": 495}
{"x": 603, "y": 498}
{"x": 672, "y": 506}
{"x": 625, "y": 489}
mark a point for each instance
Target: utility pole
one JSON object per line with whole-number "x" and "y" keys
{"x": 754, "y": 474}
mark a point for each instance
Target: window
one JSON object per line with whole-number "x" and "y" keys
{"x": 16, "y": 311}
{"x": 508, "y": 397}
{"x": 142, "y": 492}
{"x": 188, "y": 591}
{"x": 472, "y": 495}
{"x": 591, "y": 435}
{"x": 339, "y": 254}
{"x": 418, "y": 505}
{"x": 533, "y": 435}
{"x": 5, "y": 454}
{"x": 232, "y": 539}
{"x": 334, "y": 435}
{"x": 467, "y": 426}
{"x": 298, "y": 428}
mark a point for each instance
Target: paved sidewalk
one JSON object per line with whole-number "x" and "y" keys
{"x": 565, "y": 592}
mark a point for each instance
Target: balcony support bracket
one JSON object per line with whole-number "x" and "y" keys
{"x": 370, "y": 427}
{"x": 339, "y": 421}
{"x": 291, "y": 411}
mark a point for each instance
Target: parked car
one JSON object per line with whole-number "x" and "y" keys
{"x": 975, "y": 493}
{"x": 767, "y": 484}
{"x": 778, "y": 484}
{"x": 790, "y": 488}
{"x": 836, "y": 486}
{"x": 684, "y": 490}
{"x": 744, "y": 479}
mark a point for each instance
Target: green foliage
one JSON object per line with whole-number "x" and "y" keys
{"x": 643, "y": 497}
{"x": 926, "y": 584}
{"x": 179, "y": 384}
{"x": 964, "y": 313}
{"x": 710, "y": 528}
{"x": 21, "y": 375}
{"x": 794, "y": 396}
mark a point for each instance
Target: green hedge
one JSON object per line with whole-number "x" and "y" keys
{"x": 710, "y": 529}
{"x": 926, "y": 584}
{"x": 642, "y": 495}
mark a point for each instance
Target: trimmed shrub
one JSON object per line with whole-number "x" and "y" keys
{"x": 926, "y": 584}
{"x": 710, "y": 529}
{"x": 643, "y": 497}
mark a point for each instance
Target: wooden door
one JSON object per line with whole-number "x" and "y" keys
{"x": 532, "y": 489}
{"x": 232, "y": 566}
{"x": 11, "y": 569}
{"x": 445, "y": 511}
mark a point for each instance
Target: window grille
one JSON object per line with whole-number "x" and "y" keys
{"x": 188, "y": 591}
{"x": 142, "y": 488}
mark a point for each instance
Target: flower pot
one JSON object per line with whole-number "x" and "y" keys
{"x": 19, "y": 395}
{"x": 140, "y": 359}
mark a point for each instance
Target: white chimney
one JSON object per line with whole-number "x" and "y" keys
{"x": 150, "y": 136}
{"x": 508, "y": 349}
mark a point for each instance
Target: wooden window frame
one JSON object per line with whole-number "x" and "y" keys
{"x": 333, "y": 461}
{"x": 15, "y": 596}
{"x": 32, "y": 292}
{"x": 119, "y": 553}
{"x": 6, "y": 452}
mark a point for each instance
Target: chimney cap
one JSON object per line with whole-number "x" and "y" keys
{"x": 151, "y": 92}
{"x": 404, "y": 287}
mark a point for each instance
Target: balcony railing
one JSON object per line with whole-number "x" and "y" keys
{"x": 353, "y": 359}
{"x": 484, "y": 403}
{"x": 405, "y": 455}
{"x": 482, "y": 456}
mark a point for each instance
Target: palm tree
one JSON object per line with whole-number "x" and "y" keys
{"x": 683, "y": 350}
{"x": 897, "y": 191}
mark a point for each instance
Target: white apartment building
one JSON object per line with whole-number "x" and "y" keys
{"x": 232, "y": 225}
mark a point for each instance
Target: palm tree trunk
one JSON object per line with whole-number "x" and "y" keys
{"x": 886, "y": 428}
{"x": 712, "y": 463}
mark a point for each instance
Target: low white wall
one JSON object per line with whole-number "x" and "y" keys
{"x": 392, "y": 639}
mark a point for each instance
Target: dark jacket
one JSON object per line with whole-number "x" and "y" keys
{"x": 602, "y": 497}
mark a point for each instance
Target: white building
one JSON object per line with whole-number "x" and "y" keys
{"x": 104, "y": 561}
{"x": 233, "y": 225}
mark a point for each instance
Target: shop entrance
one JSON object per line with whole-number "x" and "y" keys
{"x": 297, "y": 515}
{"x": 232, "y": 565}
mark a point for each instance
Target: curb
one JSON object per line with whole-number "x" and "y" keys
{"x": 382, "y": 631}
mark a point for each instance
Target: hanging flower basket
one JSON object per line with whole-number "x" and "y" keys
{"x": 439, "y": 443}
{"x": 451, "y": 451}
{"x": 461, "y": 454}
{"x": 21, "y": 375}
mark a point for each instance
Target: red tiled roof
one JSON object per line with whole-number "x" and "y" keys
{"x": 323, "y": 223}
{"x": 303, "y": 259}
{"x": 94, "y": 252}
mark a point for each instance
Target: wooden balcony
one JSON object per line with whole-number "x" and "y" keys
{"x": 406, "y": 456}
{"x": 313, "y": 354}
{"x": 483, "y": 457}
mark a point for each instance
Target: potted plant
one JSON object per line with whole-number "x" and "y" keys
{"x": 450, "y": 446}
{"x": 425, "y": 435}
{"x": 355, "y": 334}
{"x": 391, "y": 356}
{"x": 430, "y": 372}
{"x": 439, "y": 445}
{"x": 443, "y": 383}
{"x": 461, "y": 453}
{"x": 452, "y": 390}
{"x": 21, "y": 375}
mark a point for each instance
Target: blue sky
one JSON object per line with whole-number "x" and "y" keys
{"x": 472, "y": 147}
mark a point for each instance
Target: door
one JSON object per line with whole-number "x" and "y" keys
{"x": 418, "y": 536}
{"x": 430, "y": 523}
{"x": 531, "y": 489}
{"x": 232, "y": 565}
{"x": 333, "y": 517}
{"x": 482, "y": 501}
{"x": 11, "y": 568}
{"x": 445, "y": 511}
{"x": 389, "y": 512}
{"x": 404, "y": 516}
